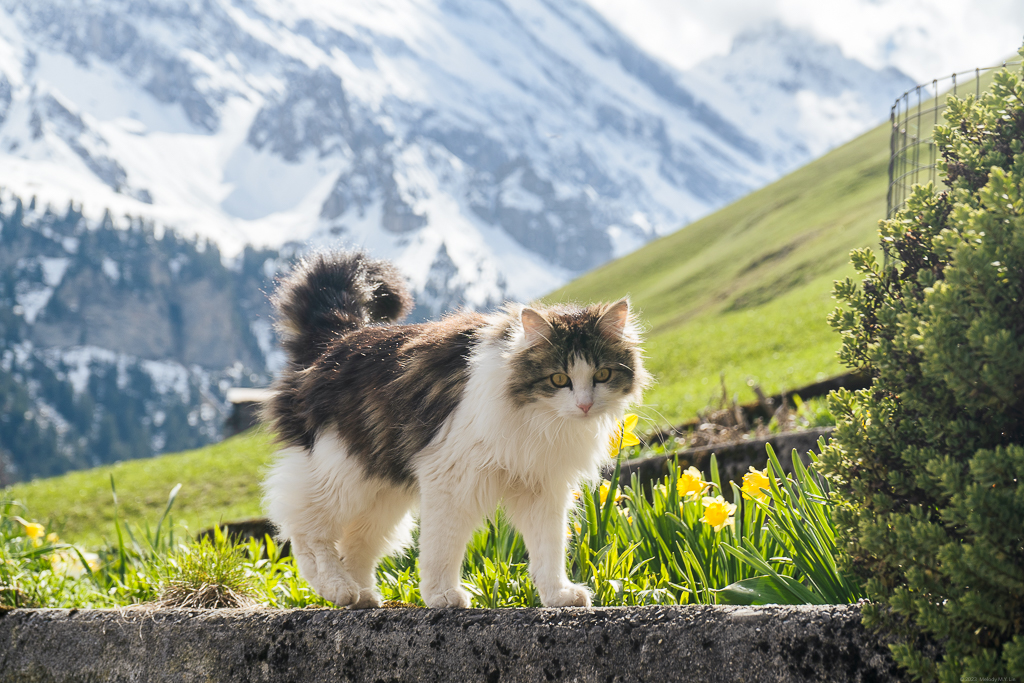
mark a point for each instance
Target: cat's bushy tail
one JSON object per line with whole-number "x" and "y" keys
{"x": 332, "y": 293}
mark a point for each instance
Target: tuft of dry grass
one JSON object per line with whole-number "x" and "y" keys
{"x": 187, "y": 595}
{"x": 209, "y": 574}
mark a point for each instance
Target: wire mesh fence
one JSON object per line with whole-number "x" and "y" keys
{"x": 913, "y": 155}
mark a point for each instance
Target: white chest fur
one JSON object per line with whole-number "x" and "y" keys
{"x": 537, "y": 445}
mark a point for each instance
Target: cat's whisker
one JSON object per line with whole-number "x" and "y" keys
{"x": 642, "y": 412}
{"x": 649, "y": 414}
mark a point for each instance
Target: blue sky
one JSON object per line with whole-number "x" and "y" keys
{"x": 924, "y": 38}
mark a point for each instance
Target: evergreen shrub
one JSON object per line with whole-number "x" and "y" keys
{"x": 929, "y": 460}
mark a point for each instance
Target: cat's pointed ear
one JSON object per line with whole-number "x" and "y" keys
{"x": 613, "y": 321}
{"x": 535, "y": 326}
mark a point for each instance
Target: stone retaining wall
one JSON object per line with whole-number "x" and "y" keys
{"x": 691, "y": 643}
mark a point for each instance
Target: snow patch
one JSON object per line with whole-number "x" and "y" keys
{"x": 168, "y": 376}
{"x": 54, "y": 269}
{"x": 263, "y": 183}
{"x": 272, "y": 352}
{"x": 625, "y": 240}
{"x": 111, "y": 269}
{"x": 79, "y": 359}
{"x": 825, "y": 119}
{"x": 33, "y": 301}
{"x": 101, "y": 91}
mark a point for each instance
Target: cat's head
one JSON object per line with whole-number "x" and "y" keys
{"x": 577, "y": 362}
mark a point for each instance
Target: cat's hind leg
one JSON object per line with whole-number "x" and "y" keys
{"x": 314, "y": 497}
{"x": 300, "y": 500}
{"x": 321, "y": 567}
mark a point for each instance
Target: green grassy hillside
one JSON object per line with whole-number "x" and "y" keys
{"x": 746, "y": 290}
{"x": 219, "y": 483}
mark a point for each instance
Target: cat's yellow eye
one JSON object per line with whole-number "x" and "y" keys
{"x": 602, "y": 375}
{"x": 560, "y": 379}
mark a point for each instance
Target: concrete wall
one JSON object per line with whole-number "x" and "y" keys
{"x": 692, "y": 643}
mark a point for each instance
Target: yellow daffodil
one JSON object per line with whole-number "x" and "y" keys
{"x": 623, "y": 436}
{"x": 52, "y": 537}
{"x": 606, "y": 486}
{"x": 691, "y": 484}
{"x": 33, "y": 530}
{"x": 753, "y": 482}
{"x": 718, "y": 513}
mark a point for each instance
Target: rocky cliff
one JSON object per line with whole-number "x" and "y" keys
{"x": 119, "y": 342}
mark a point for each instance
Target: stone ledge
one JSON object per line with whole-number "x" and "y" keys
{"x": 690, "y": 643}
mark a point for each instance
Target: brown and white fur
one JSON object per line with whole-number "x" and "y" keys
{"x": 452, "y": 418}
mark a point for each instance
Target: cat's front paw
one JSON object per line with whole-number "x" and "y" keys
{"x": 340, "y": 590}
{"x": 453, "y": 597}
{"x": 368, "y": 599}
{"x": 570, "y": 595}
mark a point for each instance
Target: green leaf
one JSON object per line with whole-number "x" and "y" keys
{"x": 760, "y": 590}
{"x": 797, "y": 592}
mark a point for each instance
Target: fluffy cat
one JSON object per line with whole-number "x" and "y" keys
{"x": 450, "y": 417}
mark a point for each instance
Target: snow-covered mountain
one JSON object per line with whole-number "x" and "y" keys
{"x": 492, "y": 148}
{"x": 797, "y": 97}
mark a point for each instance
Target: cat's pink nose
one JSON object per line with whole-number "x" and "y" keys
{"x": 585, "y": 407}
